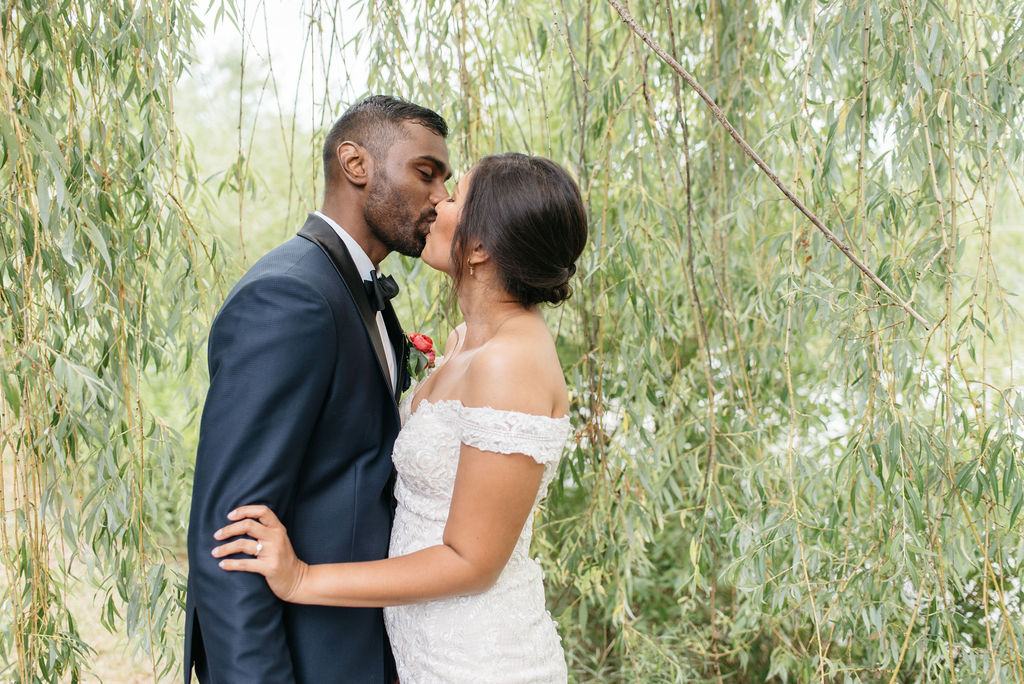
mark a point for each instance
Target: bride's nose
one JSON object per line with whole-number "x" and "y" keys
{"x": 438, "y": 192}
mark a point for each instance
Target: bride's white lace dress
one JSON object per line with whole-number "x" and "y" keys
{"x": 504, "y": 634}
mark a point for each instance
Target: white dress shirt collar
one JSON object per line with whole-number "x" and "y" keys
{"x": 362, "y": 262}
{"x": 366, "y": 269}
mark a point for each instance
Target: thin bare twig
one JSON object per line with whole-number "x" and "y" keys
{"x": 716, "y": 110}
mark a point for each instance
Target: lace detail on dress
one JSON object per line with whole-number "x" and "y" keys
{"x": 503, "y": 635}
{"x": 511, "y": 432}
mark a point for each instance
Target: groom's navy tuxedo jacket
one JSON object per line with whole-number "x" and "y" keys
{"x": 300, "y": 416}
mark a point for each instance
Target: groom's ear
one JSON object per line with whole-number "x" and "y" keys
{"x": 355, "y": 162}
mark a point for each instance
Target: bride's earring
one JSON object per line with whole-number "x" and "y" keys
{"x": 470, "y": 268}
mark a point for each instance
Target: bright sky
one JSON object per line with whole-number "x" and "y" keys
{"x": 279, "y": 35}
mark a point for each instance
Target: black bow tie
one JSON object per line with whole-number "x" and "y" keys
{"x": 380, "y": 289}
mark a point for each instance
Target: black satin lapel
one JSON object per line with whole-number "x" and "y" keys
{"x": 397, "y": 336}
{"x": 317, "y": 231}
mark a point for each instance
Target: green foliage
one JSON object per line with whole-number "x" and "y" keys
{"x": 777, "y": 474}
{"x": 102, "y": 271}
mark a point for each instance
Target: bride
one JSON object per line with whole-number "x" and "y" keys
{"x": 480, "y": 442}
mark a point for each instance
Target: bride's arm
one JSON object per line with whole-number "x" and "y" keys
{"x": 492, "y": 499}
{"x": 491, "y": 502}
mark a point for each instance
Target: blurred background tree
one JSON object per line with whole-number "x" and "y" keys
{"x": 777, "y": 474}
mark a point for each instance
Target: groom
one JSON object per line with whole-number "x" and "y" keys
{"x": 306, "y": 364}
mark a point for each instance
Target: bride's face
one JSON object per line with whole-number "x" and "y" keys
{"x": 437, "y": 252}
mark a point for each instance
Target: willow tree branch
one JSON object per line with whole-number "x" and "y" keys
{"x": 716, "y": 110}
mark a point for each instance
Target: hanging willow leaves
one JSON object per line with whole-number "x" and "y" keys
{"x": 101, "y": 271}
{"x": 777, "y": 474}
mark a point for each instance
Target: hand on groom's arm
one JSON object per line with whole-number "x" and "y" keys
{"x": 264, "y": 398}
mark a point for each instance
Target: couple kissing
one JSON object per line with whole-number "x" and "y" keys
{"x": 348, "y": 525}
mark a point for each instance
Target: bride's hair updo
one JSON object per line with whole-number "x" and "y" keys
{"x": 528, "y": 214}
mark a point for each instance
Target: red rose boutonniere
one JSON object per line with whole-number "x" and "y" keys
{"x": 421, "y": 354}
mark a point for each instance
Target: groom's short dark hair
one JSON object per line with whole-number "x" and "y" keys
{"x": 375, "y": 123}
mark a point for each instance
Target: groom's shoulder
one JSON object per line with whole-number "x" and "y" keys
{"x": 296, "y": 265}
{"x": 297, "y": 258}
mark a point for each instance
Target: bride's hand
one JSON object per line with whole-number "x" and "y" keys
{"x": 270, "y": 546}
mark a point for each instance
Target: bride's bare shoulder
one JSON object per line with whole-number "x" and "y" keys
{"x": 518, "y": 370}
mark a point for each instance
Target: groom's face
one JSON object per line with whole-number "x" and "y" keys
{"x": 406, "y": 186}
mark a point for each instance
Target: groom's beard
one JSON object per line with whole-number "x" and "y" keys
{"x": 393, "y": 221}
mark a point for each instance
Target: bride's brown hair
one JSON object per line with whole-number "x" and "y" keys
{"x": 528, "y": 214}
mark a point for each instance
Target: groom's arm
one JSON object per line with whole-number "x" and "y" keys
{"x": 272, "y": 348}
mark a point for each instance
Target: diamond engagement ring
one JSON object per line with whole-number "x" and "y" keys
{"x": 259, "y": 547}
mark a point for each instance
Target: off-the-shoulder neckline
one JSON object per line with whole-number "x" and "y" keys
{"x": 458, "y": 403}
